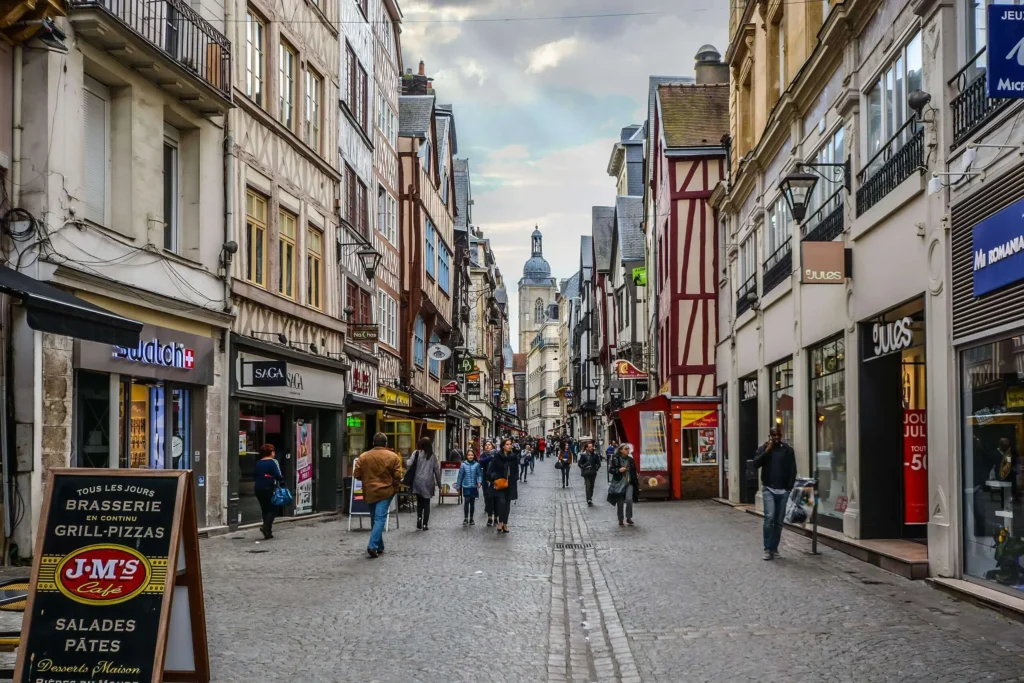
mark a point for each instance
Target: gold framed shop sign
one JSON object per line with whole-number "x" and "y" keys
{"x": 117, "y": 591}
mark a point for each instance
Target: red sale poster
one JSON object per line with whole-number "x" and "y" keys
{"x": 915, "y": 467}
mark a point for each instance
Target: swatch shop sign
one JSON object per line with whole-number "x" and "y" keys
{"x": 161, "y": 353}
{"x": 156, "y": 352}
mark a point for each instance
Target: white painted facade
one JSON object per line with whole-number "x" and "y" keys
{"x": 542, "y": 403}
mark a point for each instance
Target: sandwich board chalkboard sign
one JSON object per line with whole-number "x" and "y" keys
{"x": 116, "y": 592}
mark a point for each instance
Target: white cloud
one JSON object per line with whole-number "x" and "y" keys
{"x": 550, "y": 55}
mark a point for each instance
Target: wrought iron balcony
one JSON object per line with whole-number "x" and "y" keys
{"x": 742, "y": 303}
{"x": 899, "y": 158}
{"x": 778, "y": 266}
{"x": 826, "y": 223}
{"x": 165, "y": 40}
{"x": 971, "y": 107}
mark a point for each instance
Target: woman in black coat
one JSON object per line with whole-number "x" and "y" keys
{"x": 486, "y": 457}
{"x": 624, "y": 467}
{"x": 504, "y": 466}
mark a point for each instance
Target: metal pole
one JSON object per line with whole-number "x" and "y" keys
{"x": 814, "y": 524}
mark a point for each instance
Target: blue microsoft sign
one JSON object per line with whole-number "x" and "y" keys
{"x": 1005, "y": 51}
{"x": 998, "y": 248}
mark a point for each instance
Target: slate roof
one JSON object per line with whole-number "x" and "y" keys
{"x": 571, "y": 287}
{"x": 694, "y": 115}
{"x": 447, "y": 109}
{"x": 652, "y": 92}
{"x": 414, "y": 112}
{"x": 629, "y": 215}
{"x": 603, "y": 227}
{"x": 442, "y": 140}
{"x": 586, "y": 251}
{"x": 463, "y": 193}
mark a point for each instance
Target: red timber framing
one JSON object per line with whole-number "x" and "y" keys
{"x": 688, "y": 285}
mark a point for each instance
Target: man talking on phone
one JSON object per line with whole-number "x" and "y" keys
{"x": 777, "y": 462}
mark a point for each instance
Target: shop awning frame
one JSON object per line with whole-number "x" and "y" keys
{"x": 51, "y": 309}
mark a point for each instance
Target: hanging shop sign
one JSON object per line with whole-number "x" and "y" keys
{"x": 161, "y": 353}
{"x": 626, "y": 370}
{"x": 365, "y": 332}
{"x": 450, "y": 388}
{"x": 998, "y": 246}
{"x": 823, "y": 263}
{"x": 703, "y": 417}
{"x": 303, "y": 382}
{"x": 394, "y": 397}
{"x": 473, "y": 384}
{"x": 640, "y": 276}
{"x": 114, "y": 548}
{"x": 888, "y": 337}
{"x": 915, "y": 466}
{"x": 449, "y": 475}
{"x": 1005, "y": 74}
{"x": 363, "y": 378}
{"x": 466, "y": 365}
{"x": 438, "y": 352}
{"x": 303, "y": 468}
{"x": 265, "y": 373}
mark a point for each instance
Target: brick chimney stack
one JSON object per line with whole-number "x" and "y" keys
{"x": 418, "y": 83}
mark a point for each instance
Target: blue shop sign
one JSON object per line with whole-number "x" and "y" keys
{"x": 998, "y": 249}
{"x": 1005, "y": 51}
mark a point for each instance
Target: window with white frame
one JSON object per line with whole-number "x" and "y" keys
{"x": 748, "y": 258}
{"x": 386, "y": 308}
{"x": 832, "y": 181}
{"x": 444, "y": 266}
{"x": 887, "y": 110}
{"x": 387, "y": 215}
{"x": 430, "y": 254}
{"x": 172, "y": 188}
{"x": 425, "y": 155}
{"x": 387, "y": 122}
{"x": 779, "y": 227}
{"x": 96, "y": 142}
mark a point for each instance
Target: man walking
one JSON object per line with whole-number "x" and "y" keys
{"x": 777, "y": 462}
{"x": 542, "y": 445}
{"x": 590, "y": 464}
{"x": 380, "y": 471}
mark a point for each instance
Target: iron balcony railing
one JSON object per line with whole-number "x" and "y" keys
{"x": 742, "y": 303}
{"x": 826, "y": 223}
{"x": 778, "y": 266}
{"x": 178, "y": 31}
{"x": 898, "y": 159}
{"x": 972, "y": 107}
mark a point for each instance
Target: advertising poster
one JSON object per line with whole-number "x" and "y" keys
{"x": 357, "y": 506}
{"x": 102, "y": 574}
{"x": 449, "y": 475}
{"x": 303, "y": 468}
{"x": 915, "y": 467}
{"x": 707, "y": 453}
{"x": 653, "y": 442}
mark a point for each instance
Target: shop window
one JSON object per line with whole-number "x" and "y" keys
{"x": 828, "y": 392}
{"x": 157, "y": 422}
{"x": 255, "y": 238}
{"x": 992, "y": 377}
{"x": 700, "y": 446}
{"x": 92, "y": 409}
{"x": 286, "y": 255}
{"x": 399, "y": 433}
{"x": 781, "y": 378}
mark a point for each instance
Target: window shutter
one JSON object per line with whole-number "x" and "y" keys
{"x": 95, "y": 114}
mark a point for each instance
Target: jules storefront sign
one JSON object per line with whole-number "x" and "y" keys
{"x": 888, "y": 337}
{"x": 161, "y": 353}
{"x": 303, "y": 382}
{"x": 998, "y": 247}
{"x": 107, "y": 561}
{"x": 824, "y": 263}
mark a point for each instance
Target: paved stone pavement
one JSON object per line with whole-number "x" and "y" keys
{"x": 683, "y": 596}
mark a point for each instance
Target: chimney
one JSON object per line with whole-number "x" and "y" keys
{"x": 418, "y": 83}
{"x": 710, "y": 69}
{"x": 423, "y": 68}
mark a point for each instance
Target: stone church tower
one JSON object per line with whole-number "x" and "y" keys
{"x": 537, "y": 290}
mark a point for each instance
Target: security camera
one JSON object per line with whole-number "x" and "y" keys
{"x": 918, "y": 100}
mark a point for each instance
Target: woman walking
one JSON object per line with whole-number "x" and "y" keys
{"x": 501, "y": 473}
{"x": 563, "y": 466}
{"x": 268, "y": 477}
{"x": 625, "y": 488}
{"x": 524, "y": 462}
{"x": 486, "y": 457}
{"x": 426, "y": 477}
{"x": 468, "y": 484}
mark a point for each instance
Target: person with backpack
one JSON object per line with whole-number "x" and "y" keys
{"x": 590, "y": 465}
{"x": 468, "y": 483}
{"x": 268, "y": 477}
{"x": 501, "y": 474}
{"x": 422, "y": 476}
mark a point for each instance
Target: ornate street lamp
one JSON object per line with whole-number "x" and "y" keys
{"x": 797, "y": 188}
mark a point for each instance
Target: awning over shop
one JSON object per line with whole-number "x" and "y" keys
{"x": 53, "y": 310}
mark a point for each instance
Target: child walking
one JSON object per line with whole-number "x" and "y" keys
{"x": 468, "y": 483}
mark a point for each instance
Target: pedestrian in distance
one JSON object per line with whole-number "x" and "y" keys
{"x": 625, "y": 487}
{"x": 525, "y": 460}
{"x": 501, "y": 473}
{"x": 468, "y": 483}
{"x": 563, "y": 466}
{"x": 777, "y": 463}
{"x": 533, "y": 459}
{"x": 268, "y": 477}
{"x": 542, "y": 444}
{"x": 380, "y": 470}
{"x": 590, "y": 465}
{"x": 426, "y": 476}
{"x": 486, "y": 457}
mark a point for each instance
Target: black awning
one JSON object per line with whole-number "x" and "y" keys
{"x": 53, "y": 310}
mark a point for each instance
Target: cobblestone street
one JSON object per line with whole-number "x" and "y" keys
{"x": 683, "y": 596}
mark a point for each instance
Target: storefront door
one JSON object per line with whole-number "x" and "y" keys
{"x": 748, "y": 441}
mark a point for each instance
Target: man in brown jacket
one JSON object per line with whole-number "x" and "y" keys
{"x": 380, "y": 471}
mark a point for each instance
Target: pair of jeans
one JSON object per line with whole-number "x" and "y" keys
{"x": 522, "y": 473}
{"x": 422, "y": 509}
{"x": 501, "y": 506}
{"x": 565, "y": 475}
{"x": 379, "y": 515}
{"x": 468, "y": 507}
{"x": 774, "y": 513}
{"x": 625, "y": 505}
{"x": 588, "y": 482}
{"x": 267, "y": 508}
{"x": 532, "y": 462}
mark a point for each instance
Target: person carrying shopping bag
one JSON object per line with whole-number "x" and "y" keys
{"x": 501, "y": 474}
{"x": 267, "y": 478}
{"x": 468, "y": 484}
{"x": 486, "y": 456}
{"x": 426, "y": 476}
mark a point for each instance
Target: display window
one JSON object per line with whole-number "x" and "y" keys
{"x": 700, "y": 446}
{"x": 828, "y": 393}
{"x": 258, "y": 424}
{"x": 992, "y": 385}
{"x": 781, "y": 378}
{"x": 400, "y": 436}
{"x": 156, "y": 424}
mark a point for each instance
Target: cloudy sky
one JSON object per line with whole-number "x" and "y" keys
{"x": 539, "y": 102}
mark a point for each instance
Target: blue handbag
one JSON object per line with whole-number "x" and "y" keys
{"x": 282, "y": 497}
